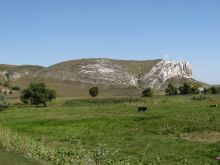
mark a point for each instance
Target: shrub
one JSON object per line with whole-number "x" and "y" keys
{"x": 148, "y": 92}
{"x": 206, "y": 91}
{"x": 188, "y": 89}
{"x": 37, "y": 93}
{"x": 7, "y": 76}
{"x": 214, "y": 90}
{"x": 16, "y": 88}
{"x": 185, "y": 89}
{"x": 171, "y": 89}
{"x": 94, "y": 91}
{"x": 195, "y": 90}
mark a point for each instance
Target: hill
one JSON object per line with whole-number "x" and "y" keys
{"x": 76, "y": 76}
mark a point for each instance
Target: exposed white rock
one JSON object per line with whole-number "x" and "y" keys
{"x": 99, "y": 72}
{"x": 165, "y": 70}
{"x": 3, "y": 73}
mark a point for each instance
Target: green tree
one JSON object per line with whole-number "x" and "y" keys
{"x": 171, "y": 89}
{"x": 37, "y": 93}
{"x": 94, "y": 91}
{"x": 214, "y": 90}
{"x": 185, "y": 89}
{"x": 195, "y": 90}
{"x": 148, "y": 92}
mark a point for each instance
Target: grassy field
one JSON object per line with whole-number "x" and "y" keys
{"x": 15, "y": 159}
{"x": 180, "y": 130}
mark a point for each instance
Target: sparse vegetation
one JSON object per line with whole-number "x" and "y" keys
{"x": 149, "y": 92}
{"x": 94, "y": 91}
{"x": 37, "y": 93}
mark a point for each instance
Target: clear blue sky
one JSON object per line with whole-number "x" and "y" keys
{"x": 45, "y": 32}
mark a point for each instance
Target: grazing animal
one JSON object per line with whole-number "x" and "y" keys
{"x": 214, "y": 105}
{"x": 143, "y": 109}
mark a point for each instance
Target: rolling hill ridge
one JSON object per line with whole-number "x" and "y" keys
{"x": 106, "y": 73}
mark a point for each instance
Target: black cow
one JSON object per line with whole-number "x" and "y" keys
{"x": 143, "y": 109}
{"x": 214, "y": 105}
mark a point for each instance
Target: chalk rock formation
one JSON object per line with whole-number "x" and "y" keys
{"x": 165, "y": 70}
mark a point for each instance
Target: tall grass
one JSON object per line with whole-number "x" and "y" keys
{"x": 13, "y": 142}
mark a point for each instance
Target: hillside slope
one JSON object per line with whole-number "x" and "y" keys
{"x": 105, "y": 73}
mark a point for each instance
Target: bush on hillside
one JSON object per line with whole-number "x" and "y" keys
{"x": 148, "y": 92}
{"x": 195, "y": 90}
{"x": 37, "y": 93}
{"x": 7, "y": 76}
{"x": 171, "y": 89}
{"x": 205, "y": 91}
{"x": 185, "y": 89}
{"x": 94, "y": 91}
{"x": 188, "y": 89}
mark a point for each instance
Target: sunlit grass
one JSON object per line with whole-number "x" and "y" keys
{"x": 174, "y": 130}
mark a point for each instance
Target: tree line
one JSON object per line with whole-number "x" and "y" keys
{"x": 184, "y": 89}
{"x": 40, "y": 94}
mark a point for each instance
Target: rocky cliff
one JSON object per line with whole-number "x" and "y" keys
{"x": 165, "y": 70}
{"x": 106, "y": 72}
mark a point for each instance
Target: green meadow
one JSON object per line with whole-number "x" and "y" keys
{"x": 175, "y": 130}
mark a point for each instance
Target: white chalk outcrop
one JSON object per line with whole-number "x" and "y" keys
{"x": 165, "y": 70}
{"x": 98, "y": 72}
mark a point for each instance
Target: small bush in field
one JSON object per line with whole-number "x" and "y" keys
{"x": 94, "y": 91}
{"x": 148, "y": 92}
{"x": 16, "y": 88}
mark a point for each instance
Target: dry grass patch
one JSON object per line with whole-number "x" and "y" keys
{"x": 206, "y": 137}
